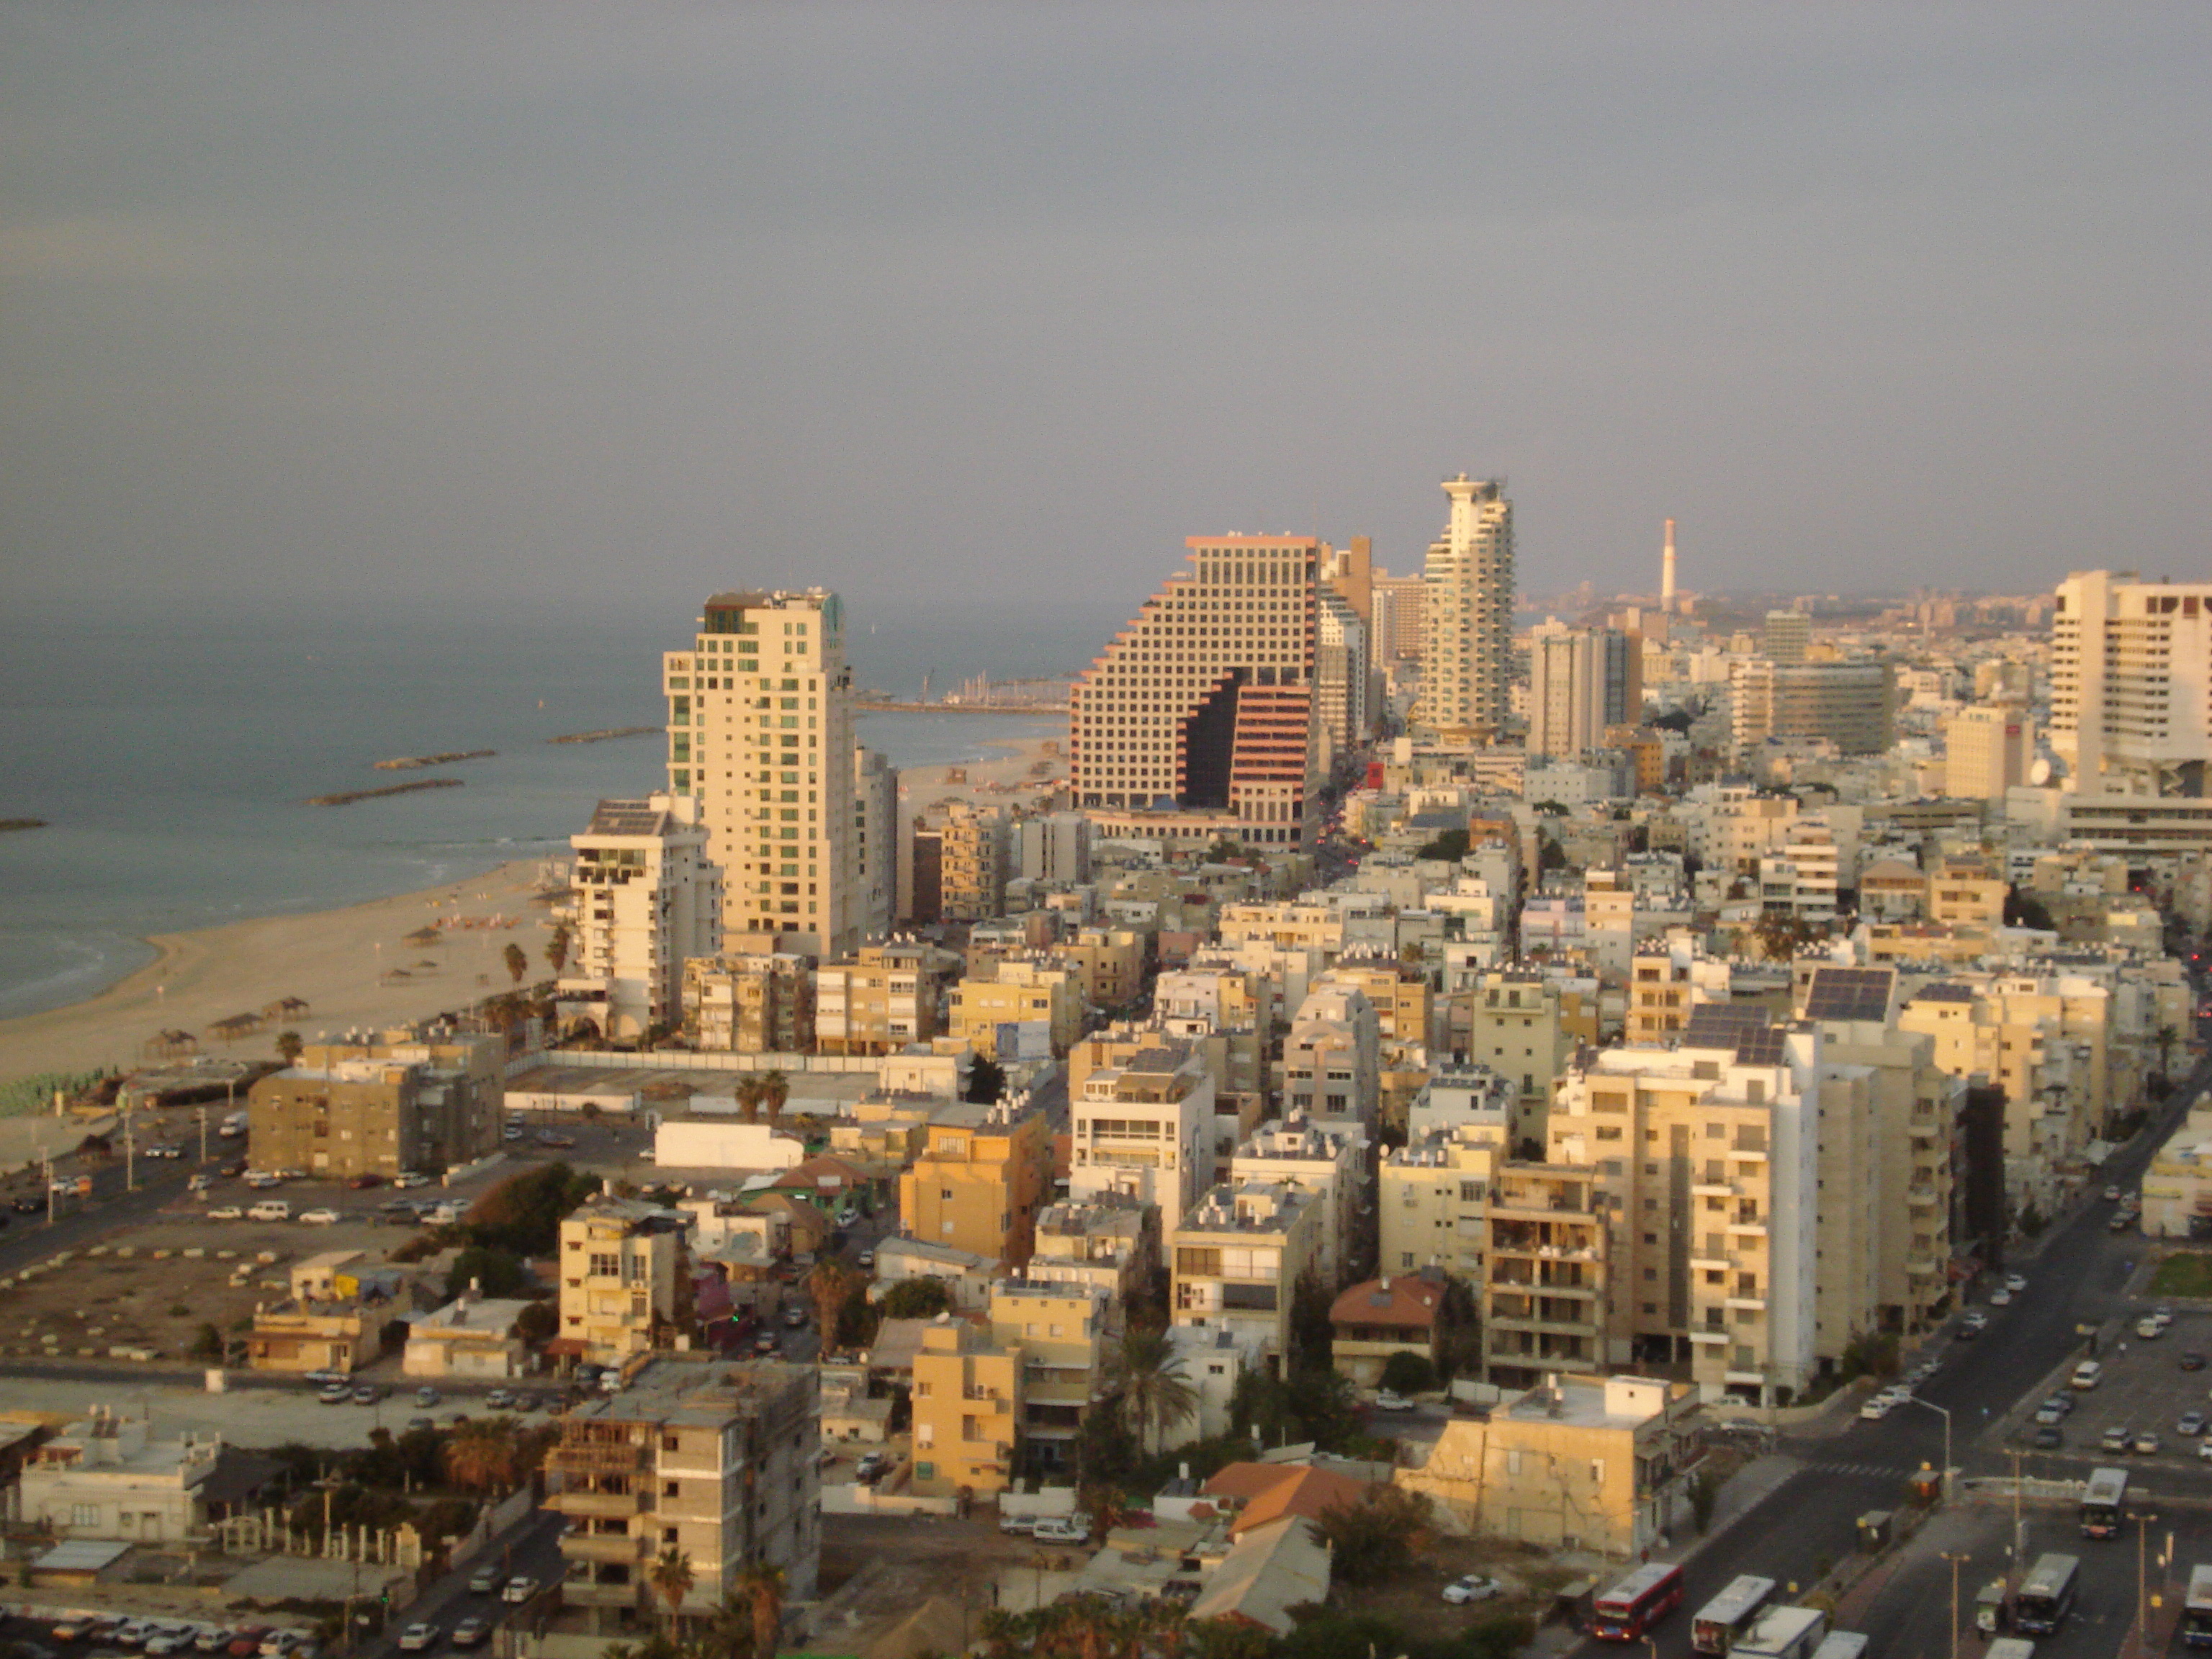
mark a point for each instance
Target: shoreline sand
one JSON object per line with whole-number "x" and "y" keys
{"x": 335, "y": 959}
{"x": 1006, "y": 780}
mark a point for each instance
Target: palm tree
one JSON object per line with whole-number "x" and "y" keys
{"x": 1148, "y": 1373}
{"x": 288, "y": 1046}
{"x": 729, "y": 1631}
{"x": 672, "y": 1578}
{"x": 517, "y": 962}
{"x": 762, "y": 1587}
{"x": 556, "y": 948}
{"x": 2168, "y": 1036}
{"x": 748, "y": 1090}
{"x": 775, "y": 1089}
{"x": 830, "y": 1285}
{"x": 480, "y": 1456}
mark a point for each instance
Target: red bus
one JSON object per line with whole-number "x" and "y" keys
{"x": 1638, "y": 1602}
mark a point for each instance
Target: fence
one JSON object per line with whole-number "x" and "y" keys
{"x": 683, "y": 1059}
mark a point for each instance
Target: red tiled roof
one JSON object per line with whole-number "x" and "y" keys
{"x": 1411, "y": 1302}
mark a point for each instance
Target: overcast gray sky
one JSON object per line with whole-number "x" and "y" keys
{"x": 626, "y": 302}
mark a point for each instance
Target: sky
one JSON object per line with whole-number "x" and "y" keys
{"x": 958, "y": 306}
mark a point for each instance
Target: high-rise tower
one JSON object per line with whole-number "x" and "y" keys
{"x": 760, "y": 732}
{"x": 1467, "y": 651}
{"x": 1199, "y": 716}
{"x": 1667, "y": 572}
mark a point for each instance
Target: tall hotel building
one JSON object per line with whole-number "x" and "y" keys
{"x": 1200, "y": 719}
{"x": 1467, "y": 652}
{"x": 2131, "y": 684}
{"x": 760, "y": 733}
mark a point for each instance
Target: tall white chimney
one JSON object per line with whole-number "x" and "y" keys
{"x": 1667, "y": 572}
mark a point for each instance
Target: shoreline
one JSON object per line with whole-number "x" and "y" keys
{"x": 340, "y": 961}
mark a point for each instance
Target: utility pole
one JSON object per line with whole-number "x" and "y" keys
{"x": 130, "y": 1155}
{"x": 1957, "y": 1560}
{"x": 2017, "y": 1541}
{"x": 203, "y": 1114}
{"x": 47, "y": 1161}
{"x": 2142, "y": 1582}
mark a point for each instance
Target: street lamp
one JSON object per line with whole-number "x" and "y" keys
{"x": 1914, "y": 1400}
{"x": 1956, "y": 1560}
{"x": 2143, "y": 1580}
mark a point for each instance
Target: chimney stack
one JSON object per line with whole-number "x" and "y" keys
{"x": 1667, "y": 572}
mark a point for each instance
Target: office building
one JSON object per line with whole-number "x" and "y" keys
{"x": 717, "y": 1462}
{"x": 1199, "y": 720}
{"x": 645, "y": 900}
{"x": 1849, "y": 703}
{"x": 875, "y": 841}
{"x": 1401, "y": 618}
{"x": 1987, "y": 749}
{"x": 1342, "y": 672}
{"x": 760, "y": 735}
{"x": 2131, "y": 684}
{"x": 1582, "y": 682}
{"x": 1466, "y": 659}
{"x": 1787, "y": 637}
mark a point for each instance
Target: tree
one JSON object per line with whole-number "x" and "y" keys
{"x": 1147, "y": 1372}
{"x": 917, "y": 1298}
{"x": 207, "y": 1343}
{"x": 517, "y": 962}
{"x": 556, "y": 948}
{"x": 481, "y": 1455}
{"x": 288, "y": 1046}
{"x": 1372, "y": 1537}
{"x": 2025, "y": 910}
{"x": 749, "y": 1091}
{"x": 1229, "y": 1638}
{"x": 775, "y": 1089}
{"x": 1407, "y": 1372}
{"x": 1551, "y": 809}
{"x": 2166, "y": 1037}
{"x": 495, "y": 1272}
{"x": 829, "y": 1284}
{"x": 1451, "y": 847}
{"x": 537, "y": 1323}
{"x": 987, "y": 1081}
{"x": 761, "y": 1588}
{"x": 672, "y": 1578}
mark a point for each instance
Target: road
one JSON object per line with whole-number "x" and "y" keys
{"x": 531, "y": 1546}
{"x": 1808, "y": 1522}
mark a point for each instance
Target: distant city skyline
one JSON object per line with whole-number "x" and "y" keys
{"x": 386, "y": 303}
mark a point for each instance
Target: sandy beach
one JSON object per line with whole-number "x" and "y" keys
{"x": 1007, "y": 779}
{"x": 338, "y": 961}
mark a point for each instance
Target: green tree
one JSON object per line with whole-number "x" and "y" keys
{"x": 556, "y": 948}
{"x": 517, "y": 962}
{"x": 916, "y": 1298}
{"x": 1451, "y": 847}
{"x": 496, "y": 1273}
{"x": 288, "y": 1045}
{"x": 829, "y": 1285}
{"x": 761, "y": 1588}
{"x": 987, "y": 1081}
{"x": 1230, "y": 1638}
{"x": 1372, "y": 1537}
{"x": 749, "y": 1091}
{"x": 774, "y": 1091}
{"x": 481, "y": 1455}
{"x": 1147, "y": 1372}
{"x": 207, "y": 1343}
{"x": 1407, "y": 1372}
{"x": 538, "y": 1322}
{"x": 671, "y": 1576}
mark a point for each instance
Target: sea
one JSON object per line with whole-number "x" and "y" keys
{"x": 172, "y": 751}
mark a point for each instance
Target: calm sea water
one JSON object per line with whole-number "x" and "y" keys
{"x": 172, "y": 757}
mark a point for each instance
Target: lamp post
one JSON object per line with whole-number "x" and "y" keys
{"x": 1957, "y": 1559}
{"x": 1914, "y": 1400}
{"x": 2143, "y": 1580}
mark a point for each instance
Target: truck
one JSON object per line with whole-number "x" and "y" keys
{"x": 1782, "y": 1633}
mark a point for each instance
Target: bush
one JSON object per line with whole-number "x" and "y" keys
{"x": 1408, "y": 1373}
{"x": 916, "y": 1298}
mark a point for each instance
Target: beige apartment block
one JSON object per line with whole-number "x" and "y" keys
{"x": 883, "y": 999}
{"x": 969, "y": 1401}
{"x": 1061, "y": 1330}
{"x": 979, "y": 1187}
{"x": 1327, "y": 1163}
{"x": 378, "y": 1107}
{"x": 1466, "y": 661}
{"x": 1332, "y": 1058}
{"x": 645, "y": 900}
{"x": 1144, "y": 1129}
{"x": 974, "y": 848}
{"x": 751, "y": 1004}
{"x": 1578, "y": 1462}
{"x": 2131, "y": 684}
{"x": 1236, "y": 1260}
{"x": 760, "y": 735}
{"x": 1523, "y": 1026}
{"x": 1432, "y": 1202}
{"x": 1965, "y": 893}
{"x": 1109, "y": 963}
{"x": 1208, "y": 700}
{"x": 1987, "y": 749}
{"x": 1109, "y": 1242}
{"x": 620, "y": 1261}
{"x": 1024, "y": 992}
{"x": 1403, "y": 1001}
{"x": 1545, "y": 1295}
{"x": 717, "y": 1462}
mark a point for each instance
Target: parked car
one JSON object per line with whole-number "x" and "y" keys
{"x": 2118, "y": 1437}
{"x": 173, "y": 1638}
{"x": 764, "y": 1341}
{"x": 795, "y": 1316}
{"x": 2047, "y": 1438}
{"x": 213, "y": 1641}
{"x": 367, "y": 1393}
{"x": 246, "y": 1641}
{"x": 485, "y": 1581}
{"x": 499, "y": 1400}
{"x": 2112, "y": 1193}
{"x": 471, "y": 1633}
{"x": 2189, "y": 1425}
{"x": 1385, "y": 1400}
{"x": 2192, "y": 1361}
{"x": 1473, "y": 1587}
{"x": 361, "y": 1183}
{"x": 426, "y": 1395}
{"x": 335, "y": 1393}
{"x": 866, "y": 1260}
{"x": 2001, "y": 1297}
{"x": 520, "y": 1588}
{"x": 418, "y": 1638}
{"x": 1062, "y": 1529}
{"x": 226, "y": 1213}
{"x": 1020, "y": 1525}
{"x": 414, "y": 1423}
{"x": 2149, "y": 1329}
{"x": 513, "y": 1132}
{"x": 407, "y": 1178}
{"x": 2146, "y": 1441}
{"x": 2048, "y": 1412}
{"x": 270, "y": 1209}
{"x": 871, "y": 1466}
{"x": 2015, "y": 1283}
{"x": 323, "y": 1218}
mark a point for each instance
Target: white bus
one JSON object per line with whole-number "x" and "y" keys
{"x": 1782, "y": 1633}
{"x": 1843, "y": 1644}
{"x": 2103, "y": 1502}
{"x": 2047, "y": 1596}
{"x": 1723, "y": 1619}
{"x": 2197, "y": 1611}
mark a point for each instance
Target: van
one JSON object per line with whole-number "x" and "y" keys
{"x": 270, "y": 1209}
{"x": 2087, "y": 1375}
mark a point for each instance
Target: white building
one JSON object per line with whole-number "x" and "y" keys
{"x": 1329, "y": 1164}
{"x": 760, "y": 735}
{"x": 724, "y": 1143}
{"x": 1332, "y": 1058}
{"x": 1467, "y": 649}
{"x": 875, "y": 841}
{"x": 2131, "y": 684}
{"x": 109, "y": 1477}
{"x": 1581, "y": 681}
{"x": 646, "y": 899}
{"x": 1055, "y": 846}
{"x": 1144, "y": 1128}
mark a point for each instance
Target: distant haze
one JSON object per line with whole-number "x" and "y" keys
{"x": 610, "y": 305}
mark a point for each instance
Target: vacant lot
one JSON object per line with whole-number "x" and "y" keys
{"x": 2185, "y": 1274}
{"x": 1414, "y": 1601}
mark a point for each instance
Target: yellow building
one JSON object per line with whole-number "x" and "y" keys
{"x": 882, "y": 999}
{"x": 751, "y": 1004}
{"x": 1962, "y": 893}
{"x": 1584, "y": 1462}
{"x": 1061, "y": 1330}
{"x": 1523, "y": 1026}
{"x": 1401, "y": 996}
{"x": 1431, "y": 1198}
{"x": 979, "y": 1188}
{"x": 619, "y": 1261}
{"x": 1237, "y": 1256}
{"x": 968, "y": 1402}
{"x": 1024, "y": 992}
{"x": 1109, "y": 963}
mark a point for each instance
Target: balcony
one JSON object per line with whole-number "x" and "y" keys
{"x": 1719, "y": 1338}
{"x": 602, "y": 1546}
{"x": 1539, "y": 1326}
{"x": 1746, "y": 1226}
{"x": 612, "y": 1505}
{"x": 1716, "y": 1189}
{"x": 583, "y": 1593}
{"x": 1920, "y": 1198}
{"x": 601, "y": 1457}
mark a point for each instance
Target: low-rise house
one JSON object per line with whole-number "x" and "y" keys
{"x": 851, "y": 1414}
{"x": 111, "y": 1477}
{"x": 967, "y": 1277}
{"x": 470, "y": 1336}
{"x": 1386, "y": 1316}
{"x": 1268, "y": 1571}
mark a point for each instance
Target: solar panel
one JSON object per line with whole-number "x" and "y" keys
{"x": 625, "y": 817}
{"x": 1723, "y": 1024}
{"x": 1850, "y": 994}
{"x": 1944, "y": 991}
{"x": 1762, "y": 1048}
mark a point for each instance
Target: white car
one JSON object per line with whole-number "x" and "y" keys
{"x": 407, "y": 1178}
{"x": 2015, "y": 1283}
{"x": 1472, "y": 1588}
{"x": 2001, "y": 1297}
{"x": 226, "y": 1213}
{"x": 1062, "y": 1529}
{"x": 1386, "y": 1401}
{"x": 1877, "y": 1408}
{"x": 318, "y": 1218}
{"x": 415, "y": 1638}
{"x": 270, "y": 1209}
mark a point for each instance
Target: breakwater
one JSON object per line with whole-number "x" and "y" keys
{"x": 415, "y": 762}
{"x": 347, "y": 796}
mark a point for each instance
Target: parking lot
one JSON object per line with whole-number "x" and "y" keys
{"x": 2147, "y": 1385}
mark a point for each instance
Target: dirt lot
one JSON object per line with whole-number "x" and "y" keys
{"x": 1415, "y": 1603}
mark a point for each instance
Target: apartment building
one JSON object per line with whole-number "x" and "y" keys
{"x": 2131, "y": 684}
{"x": 1467, "y": 658}
{"x": 717, "y": 1462}
{"x": 759, "y": 1004}
{"x": 1431, "y": 1202}
{"x": 1235, "y": 1259}
{"x": 1109, "y": 963}
{"x": 1144, "y": 1128}
{"x": 979, "y": 1188}
{"x": 1207, "y": 700}
{"x": 1333, "y": 1057}
{"x": 1341, "y": 677}
{"x": 969, "y": 1398}
{"x": 760, "y": 736}
{"x": 1109, "y": 1242}
{"x": 1040, "y": 992}
{"x": 1379, "y": 1318}
{"x": 974, "y": 850}
{"x": 645, "y": 899}
{"x": 1523, "y": 1026}
{"x": 875, "y": 842}
{"x": 378, "y": 1107}
{"x": 1987, "y": 749}
{"x": 1400, "y": 614}
{"x": 1054, "y": 847}
{"x": 620, "y": 1270}
{"x": 883, "y": 999}
{"x": 1583, "y": 682}
{"x": 1401, "y": 994}
{"x": 1328, "y": 1165}
{"x": 1059, "y": 1328}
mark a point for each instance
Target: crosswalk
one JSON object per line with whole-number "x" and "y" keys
{"x": 1880, "y": 1471}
